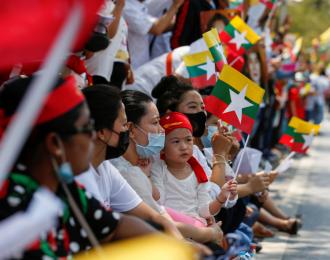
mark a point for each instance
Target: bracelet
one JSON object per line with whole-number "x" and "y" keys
{"x": 218, "y": 162}
{"x": 220, "y": 155}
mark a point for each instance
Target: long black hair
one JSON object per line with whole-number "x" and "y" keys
{"x": 135, "y": 105}
{"x": 169, "y": 93}
{"x": 104, "y": 102}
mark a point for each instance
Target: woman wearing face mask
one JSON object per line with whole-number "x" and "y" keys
{"x": 112, "y": 140}
{"x": 59, "y": 147}
{"x": 146, "y": 141}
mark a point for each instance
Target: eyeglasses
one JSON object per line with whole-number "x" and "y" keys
{"x": 88, "y": 129}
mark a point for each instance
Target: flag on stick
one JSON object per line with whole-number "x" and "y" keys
{"x": 201, "y": 69}
{"x": 213, "y": 42}
{"x": 239, "y": 36}
{"x": 235, "y": 99}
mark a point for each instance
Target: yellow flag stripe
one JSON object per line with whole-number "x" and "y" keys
{"x": 197, "y": 58}
{"x": 303, "y": 126}
{"x": 238, "y": 81}
{"x": 241, "y": 26}
{"x": 211, "y": 37}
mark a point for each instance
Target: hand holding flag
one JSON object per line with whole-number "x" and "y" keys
{"x": 235, "y": 99}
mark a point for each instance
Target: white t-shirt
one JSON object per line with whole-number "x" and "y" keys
{"x": 101, "y": 63}
{"x": 160, "y": 44}
{"x": 186, "y": 195}
{"x": 137, "y": 180}
{"x": 108, "y": 186}
{"x": 148, "y": 75}
{"x": 139, "y": 24}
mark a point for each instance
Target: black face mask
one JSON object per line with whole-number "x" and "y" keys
{"x": 115, "y": 152}
{"x": 197, "y": 121}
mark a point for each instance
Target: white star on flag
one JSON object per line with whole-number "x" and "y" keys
{"x": 209, "y": 67}
{"x": 239, "y": 39}
{"x": 308, "y": 139}
{"x": 238, "y": 103}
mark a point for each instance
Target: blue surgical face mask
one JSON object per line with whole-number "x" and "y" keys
{"x": 155, "y": 145}
{"x": 207, "y": 139}
{"x": 65, "y": 172}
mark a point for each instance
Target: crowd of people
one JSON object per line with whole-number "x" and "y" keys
{"x": 126, "y": 144}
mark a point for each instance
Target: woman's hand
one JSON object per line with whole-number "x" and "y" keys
{"x": 221, "y": 144}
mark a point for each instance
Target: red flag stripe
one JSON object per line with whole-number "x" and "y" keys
{"x": 217, "y": 106}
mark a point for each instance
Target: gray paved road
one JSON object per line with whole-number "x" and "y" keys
{"x": 305, "y": 190}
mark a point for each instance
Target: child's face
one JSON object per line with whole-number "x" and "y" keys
{"x": 179, "y": 145}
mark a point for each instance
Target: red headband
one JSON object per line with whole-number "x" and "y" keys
{"x": 175, "y": 120}
{"x": 61, "y": 100}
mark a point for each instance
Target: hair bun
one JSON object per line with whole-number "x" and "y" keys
{"x": 166, "y": 84}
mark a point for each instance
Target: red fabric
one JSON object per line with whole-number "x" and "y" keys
{"x": 175, "y": 120}
{"x": 180, "y": 21}
{"x": 78, "y": 66}
{"x": 68, "y": 95}
{"x": 234, "y": 59}
{"x": 197, "y": 168}
{"x": 169, "y": 59}
{"x": 296, "y": 103}
{"x": 29, "y": 28}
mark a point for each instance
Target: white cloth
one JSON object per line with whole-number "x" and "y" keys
{"x": 101, "y": 63}
{"x": 186, "y": 196}
{"x": 137, "y": 180}
{"x": 139, "y": 24}
{"x": 160, "y": 44}
{"x": 148, "y": 75}
{"x": 107, "y": 185}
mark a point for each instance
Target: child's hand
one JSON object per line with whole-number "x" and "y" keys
{"x": 217, "y": 234}
{"x": 228, "y": 189}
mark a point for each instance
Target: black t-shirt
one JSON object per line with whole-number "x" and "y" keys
{"x": 67, "y": 237}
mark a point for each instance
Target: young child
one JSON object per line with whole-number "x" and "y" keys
{"x": 181, "y": 180}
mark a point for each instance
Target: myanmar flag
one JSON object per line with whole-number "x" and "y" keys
{"x": 212, "y": 41}
{"x": 238, "y": 36}
{"x": 201, "y": 69}
{"x": 302, "y": 142}
{"x": 235, "y": 99}
{"x": 298, "y": 133}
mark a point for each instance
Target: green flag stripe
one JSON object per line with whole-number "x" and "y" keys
{"x": 230, "y": 30}
{"x": 221, "y": 91}
{"x": 216, "y": 54}
{"x": 297, "y": 136}
{"x": 195, "y": 71}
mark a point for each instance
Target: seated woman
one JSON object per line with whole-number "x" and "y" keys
{"x": 59, "y": 147}
{"x": 112, "y": 139}
{"x": 181, "y": 180}
{"x": 146, "y": 141}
